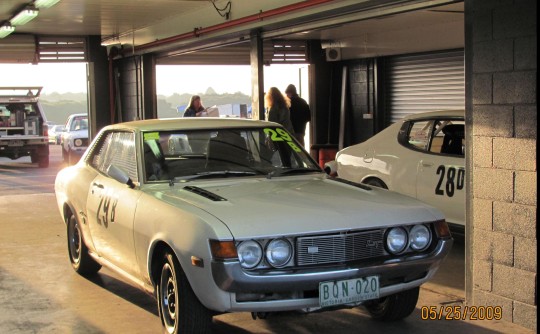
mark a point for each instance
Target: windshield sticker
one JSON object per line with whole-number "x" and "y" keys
{"x": 151, "y": 136}
{"x": 279, "y": 134}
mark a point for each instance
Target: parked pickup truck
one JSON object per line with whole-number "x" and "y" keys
{"x": 23, "y": 131}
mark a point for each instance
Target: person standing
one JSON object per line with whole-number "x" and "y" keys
{"x": 300, "y": 113}
{"x": 194, "y": 108}
{"x": 277, "y": 108}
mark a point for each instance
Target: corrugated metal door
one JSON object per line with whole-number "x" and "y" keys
{"x": 424, "y": 82}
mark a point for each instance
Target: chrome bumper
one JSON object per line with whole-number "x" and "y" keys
{"x": 230, "y": 277}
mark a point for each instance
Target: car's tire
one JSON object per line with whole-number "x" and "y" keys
{"x": 80, "y": 260}
{"x": 179, "y": 308}
{"x": 375, "y": 182}
{"x": 34, "y": 158}
{"x": 394, "y": 307}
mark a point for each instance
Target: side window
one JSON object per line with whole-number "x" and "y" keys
{"x": 116, "y": 148}
{"x": 100, "y": 157}
{"x": 420, "y": 134}
{"x": 123, "y": 154}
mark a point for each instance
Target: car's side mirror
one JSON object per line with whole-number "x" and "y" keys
{"x": 120, "y": 175}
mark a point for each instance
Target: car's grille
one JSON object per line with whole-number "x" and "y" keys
{"x": 84, "y": 141}
{"x": 338, "y": 248}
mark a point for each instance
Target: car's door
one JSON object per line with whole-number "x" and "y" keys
{"x": 111, "y": 205}
{"x": 440, "y": 180}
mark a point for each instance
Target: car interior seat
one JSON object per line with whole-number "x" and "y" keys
{"x": 227, "y": 149}
{"x": 454, "y": 135}
{"x": 154, "y": 161}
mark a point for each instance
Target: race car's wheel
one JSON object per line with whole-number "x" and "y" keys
{"x": 394, "y": 307}
{"x": 376, "y": 183}
{"x": 78, "y": 253}
{"x": 179, "y": 309}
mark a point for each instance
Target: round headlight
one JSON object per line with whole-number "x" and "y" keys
{"x": 420, "y": 237}
{"x": 78, "y": 142}
{"x": 396, "y": 240}
{"x": 249, "y": 253}
{"x": 278, "y": 252}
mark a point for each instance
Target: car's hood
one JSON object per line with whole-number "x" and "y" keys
{"x": 296, "y": 205}
{"x": 81, "y": 134}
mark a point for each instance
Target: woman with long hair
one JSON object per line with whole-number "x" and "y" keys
{"x": 277, "y": 108}
{"x": 194, "y": 108}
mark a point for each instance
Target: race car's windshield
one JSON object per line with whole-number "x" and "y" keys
{"x": 195, "y": 154}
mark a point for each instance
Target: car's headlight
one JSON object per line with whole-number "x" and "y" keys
{"x": 249, "y": 253}
{"x": 78, "y": 142}
{"x": 420, "y": 237}
{"x": 396, "y": 240}
{"x": 278, "y": 252}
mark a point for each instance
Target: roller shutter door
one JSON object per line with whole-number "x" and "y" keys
{"x": 424, "y": 82}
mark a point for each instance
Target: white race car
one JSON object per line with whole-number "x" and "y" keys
{"x": 223, "y": 215}
{"x": 422, "y": 156}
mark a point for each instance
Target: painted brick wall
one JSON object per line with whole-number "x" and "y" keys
{"x": 504, "y": 176}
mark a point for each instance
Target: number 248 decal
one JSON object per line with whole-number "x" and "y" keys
{"x": 455, "y": 180}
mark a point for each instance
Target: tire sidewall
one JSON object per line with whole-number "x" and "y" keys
{"x": 168, "y": 263}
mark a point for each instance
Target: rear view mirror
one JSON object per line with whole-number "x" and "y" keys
{"x": 120, "y": 175}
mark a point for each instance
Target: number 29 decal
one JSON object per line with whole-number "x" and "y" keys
{"x": 455, "y": 180}
{"x": 278, "y": 134}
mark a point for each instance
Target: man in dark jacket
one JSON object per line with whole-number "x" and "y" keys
{"x": 300, "y": 113}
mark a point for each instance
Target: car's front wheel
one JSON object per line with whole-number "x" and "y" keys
{"x": 81, "y": 261}
{"x": 394, "y": 307}
{"x": 179, "y": 308}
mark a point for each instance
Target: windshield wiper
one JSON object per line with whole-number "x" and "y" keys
{"x": 222, "y": 173}
{"x": 293, "y": 171}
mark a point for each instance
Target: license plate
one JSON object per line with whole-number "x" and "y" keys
{"x": 348, "y": 291}
{"x": 15, "y": 143}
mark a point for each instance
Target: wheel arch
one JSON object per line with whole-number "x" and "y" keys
{"x": 157, "y": 252}
{"x": 68, "y": 208}
{"x": 369, "y": 178}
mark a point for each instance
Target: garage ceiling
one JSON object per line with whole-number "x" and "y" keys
{"x": 358, "y": 28}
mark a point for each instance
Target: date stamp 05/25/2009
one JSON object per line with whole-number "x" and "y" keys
{"x": 449, "y": 312}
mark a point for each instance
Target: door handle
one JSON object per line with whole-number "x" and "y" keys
{"x": 100, "y": 186}
{"x": 427, "y": 164}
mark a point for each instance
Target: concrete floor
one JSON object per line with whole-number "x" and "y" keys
{"x": 40, "y": 293}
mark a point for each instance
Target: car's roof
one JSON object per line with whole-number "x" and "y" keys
{"x": 190, "y": 123}
{"x": 437, "y": 113}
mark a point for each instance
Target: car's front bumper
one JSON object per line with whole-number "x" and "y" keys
{"x": 298, "y": 289}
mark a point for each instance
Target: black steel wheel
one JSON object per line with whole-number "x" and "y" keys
{"x": 179, "y": 309}
{"x": 81, "y": 261}
{"x": 394, "y": 307}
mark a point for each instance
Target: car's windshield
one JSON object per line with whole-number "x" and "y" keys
{"x": 193, "y": 154}
{"x": 79, "y": 123}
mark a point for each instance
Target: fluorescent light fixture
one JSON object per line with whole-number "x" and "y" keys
{"x": 24, "y": 16}
{"x": 5, "y": 30}
{"x": 45, "y": 3}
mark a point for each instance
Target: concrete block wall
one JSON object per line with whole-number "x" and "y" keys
{"x": 504, "y": 175}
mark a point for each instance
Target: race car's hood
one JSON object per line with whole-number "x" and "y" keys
{"x": 279, "y": 206}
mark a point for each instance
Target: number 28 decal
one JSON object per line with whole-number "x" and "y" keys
{"x": 278, "y": 134}
{"x": 455, "y": 180}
